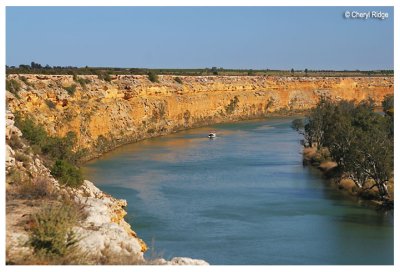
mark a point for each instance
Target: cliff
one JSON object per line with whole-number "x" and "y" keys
{"x": 103, "y": 236}
{"x": 130, "y": 108}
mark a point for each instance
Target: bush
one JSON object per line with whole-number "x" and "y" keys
{"x": 13, "y": 87}
{"x": 50, "y": 104}
{"x": 178, "y": 80}
{"x": 104, "y": 76}
{"x": 153, "y": 77}
{"x": 230, "y": 108}
{"x": 298, "y": 124}
{"x": 25, "y": 80}
{"x": 35, "y": 134}
{"x": 19, "y": 156}
{"x": 82, "y": 81}
{"x": 70, "y": 89}
{"x": 39, "y": 187}
{"x": 51, "y": 234}
{"x": 15, "y": 142}
{"x": 67, "y": 173}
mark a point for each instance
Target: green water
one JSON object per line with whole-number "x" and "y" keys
{"x": 242, "y": 198}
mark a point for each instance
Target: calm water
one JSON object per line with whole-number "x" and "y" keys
{"x": 242, "y": 198}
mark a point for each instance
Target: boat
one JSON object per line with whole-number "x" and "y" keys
{"x": 212, "y": 135}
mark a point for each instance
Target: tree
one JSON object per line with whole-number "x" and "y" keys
{"x": 306, "y": 71}
{"x": 292, "y": 71}
{"x": 358, "y": 139}
{"x": 153, "y": 77}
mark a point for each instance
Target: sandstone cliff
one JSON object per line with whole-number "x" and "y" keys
{"x": 130, "y": 108}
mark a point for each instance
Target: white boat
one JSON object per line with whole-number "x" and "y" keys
{"x": 212, "y": 135}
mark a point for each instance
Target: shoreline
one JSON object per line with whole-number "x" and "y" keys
{"x": 292, "y": 114}
{"x": 343, "y": 184}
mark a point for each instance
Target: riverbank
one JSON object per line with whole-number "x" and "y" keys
{"x": 320, "y": 160}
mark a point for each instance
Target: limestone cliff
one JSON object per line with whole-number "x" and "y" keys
{"x": 130, "y": 108}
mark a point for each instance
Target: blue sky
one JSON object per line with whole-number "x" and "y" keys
{"x": 198, "y": 37}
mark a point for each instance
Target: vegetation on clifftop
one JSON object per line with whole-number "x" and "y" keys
{"x": 358, "y": 139}
{"x": 105, "y": 72}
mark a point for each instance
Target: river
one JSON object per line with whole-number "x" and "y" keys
{"x": 242, "y": 198}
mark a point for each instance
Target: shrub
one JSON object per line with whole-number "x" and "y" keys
{"x": 104, "y": 76}
{"x": 153, "y": 77}
{"x": 83, "y": 81}
{"x": 230, "y": 108}
{"x": 298, "y": 124}
{"x": 178, "y": 80}
{"x": 19, "y": 156}
{"x": 38, "y": 187}
{"x": 15, "y": 176}
{"x": 67, "y": 173}
{"x": 51, "y": 234}
{"x": 35, "y": 134}
{"x": 15, "y": 142}
{"x": 70, "y": 89}
{"x": 50, "y": 104}
{"x": 13, "y": 87}
{"x": 25, "y": 80}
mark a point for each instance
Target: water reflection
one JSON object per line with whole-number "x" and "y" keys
{"x": 243, "y": 198}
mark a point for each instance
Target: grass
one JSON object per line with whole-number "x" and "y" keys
{"x": 36, "y": 188}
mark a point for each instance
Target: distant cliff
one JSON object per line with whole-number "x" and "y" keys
{"x": 130, "y": 108}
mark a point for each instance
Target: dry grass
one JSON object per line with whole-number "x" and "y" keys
{"x": 39, "y": 187}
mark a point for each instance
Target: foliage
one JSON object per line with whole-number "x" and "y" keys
{"x": 67, "y": 173}
{"x": 153, "y": 77}
{"x": 298, "y": 124}
{"x": 103, "y": 76}
{"x": 70, "y": 89}
{"x": 36, "y": 188}
{"x": 388, "y": 103}
{"x": 21, "y": 157}
{"x": 56, "y": 149}
{"x": 388, "y": 108}
{"x": 50, "y": 104}
{"x": 230, "y": 108}
{"x": 357, "y": 138}
{"x": 51, "y": 234}
{"x": 37, "y": 68}
{"x": 15, "y": 142}
{"x": 178, "y": 80}
{"x": 13, "y": 86}
{"x": 82, "y": 81}
{"x": 25, "y": 80}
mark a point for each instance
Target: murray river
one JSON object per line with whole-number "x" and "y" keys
{"x": 241, "y": 198}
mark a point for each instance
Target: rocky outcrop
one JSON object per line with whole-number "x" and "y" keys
{"x": 130, "y": 108}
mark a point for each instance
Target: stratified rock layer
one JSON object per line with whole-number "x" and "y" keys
{"x": 130, "y": 108}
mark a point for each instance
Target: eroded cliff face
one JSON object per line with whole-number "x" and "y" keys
{"x": 130, "y": 108}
